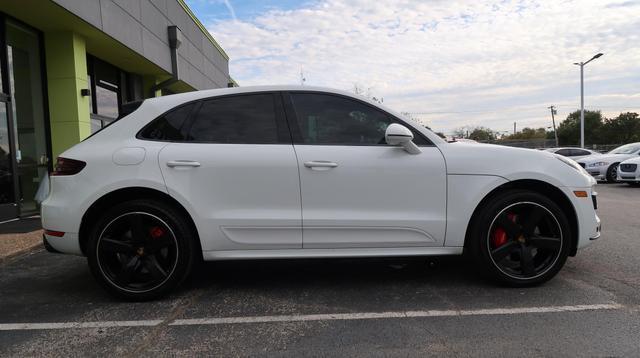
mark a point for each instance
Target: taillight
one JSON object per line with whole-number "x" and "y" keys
{"x": 66, "y": 166}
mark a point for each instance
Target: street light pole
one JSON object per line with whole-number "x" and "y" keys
{"x": 582, "y": 64}
{"x": 581, "y": 105}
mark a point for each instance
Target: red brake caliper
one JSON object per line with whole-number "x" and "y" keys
{"x": 156, "y": 232}
{"x": 499, "y": 235}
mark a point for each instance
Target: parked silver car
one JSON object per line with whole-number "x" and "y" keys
{"x": 629, "y": 171}
{"x": 573, "y": 153}
{"x": 605, "y": 166}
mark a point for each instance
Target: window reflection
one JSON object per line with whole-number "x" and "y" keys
{"x": 107, "y": 102}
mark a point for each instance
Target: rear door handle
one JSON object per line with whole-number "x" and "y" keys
{"x": 182, "y": 163}
{"x": 320, "y": 164}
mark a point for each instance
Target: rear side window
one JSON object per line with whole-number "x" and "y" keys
{"x": 170, "y": 126}
{"x": 565, "y": 152}
{"x": 246, "y": 119}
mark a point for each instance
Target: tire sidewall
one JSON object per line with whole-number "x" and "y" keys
{"x": 181, "y": 230}
{"x": 480, "y": 229}
{"x": 610, "y": 177}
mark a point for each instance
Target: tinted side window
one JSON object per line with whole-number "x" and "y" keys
{"x": 170, "y": 126}
{"x": 576, "y": 152}
{"x": 564, "y": 152}
{"x": 327, "y": 119}
{"x": 247, "y": 119}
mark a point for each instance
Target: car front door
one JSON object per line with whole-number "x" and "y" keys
{"x": 357, "y": 191}
{"x": 234, "y": 166}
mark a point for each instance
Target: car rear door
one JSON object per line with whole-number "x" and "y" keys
{"x": 236, "y": 171}
{"x": 357, "y": 191}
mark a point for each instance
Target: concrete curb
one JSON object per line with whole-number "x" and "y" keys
{"x": 22, "y": 252}
{"x": 16, "y": 245}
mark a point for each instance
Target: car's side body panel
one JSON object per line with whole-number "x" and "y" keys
{"x": 464, "y": 194}
{"x": 376, "y": 196}
{"x": 240, "y": 196}
{"x": 75, "y": 194}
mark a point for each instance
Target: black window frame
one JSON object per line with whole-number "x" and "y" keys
{"x": 129, "y": 89}
{"x": 283, "y": 131}
{"x": 296, "y": 133}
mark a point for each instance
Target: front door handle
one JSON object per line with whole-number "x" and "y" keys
{"x": 182, "y": 163}
{"x": 320, "y": 164}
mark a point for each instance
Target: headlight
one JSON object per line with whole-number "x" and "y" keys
{"x": 572, "y": 164}
{"x": 597, "y": 164}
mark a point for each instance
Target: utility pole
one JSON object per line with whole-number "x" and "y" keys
{"x": 553, "y": 119}
{"x": 514, "y": 128}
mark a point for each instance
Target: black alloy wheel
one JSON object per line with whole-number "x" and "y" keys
{"x": 141, "y": 249}
{"x": 137, "y": 251}
{"x": 520, "y": 238}
{"x": 525, "y": 240}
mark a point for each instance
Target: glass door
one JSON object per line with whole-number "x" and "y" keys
{"x": 27, "y": 117}
{"x": 8, "y": 205}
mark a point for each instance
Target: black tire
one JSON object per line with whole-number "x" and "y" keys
{"x": 612, "y": 173}
{"x": 148, "y": 269}
{"x": 524, "y": 257}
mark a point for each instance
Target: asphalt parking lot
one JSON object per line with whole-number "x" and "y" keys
{"x": 50, "y": 305}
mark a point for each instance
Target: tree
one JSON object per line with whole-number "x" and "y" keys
{"x": 360, "y": 90}
{"x": 569, "y": 129}
{"x": 482, "y": 134}
{"x": 528, "y": 133}
{"x": 624, "y": 128}
{"x": 460, "y": 132}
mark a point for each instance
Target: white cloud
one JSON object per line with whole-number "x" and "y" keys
{"x": 481, "y": 63}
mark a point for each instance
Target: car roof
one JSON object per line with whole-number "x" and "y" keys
{"x": 171, "y": 100}
{"x": 187, "y": 96}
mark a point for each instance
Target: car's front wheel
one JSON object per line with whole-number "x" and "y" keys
{"x": 141, "y": 249}
{"x": 612, "y": 173}
{"x": 520, "y": 238}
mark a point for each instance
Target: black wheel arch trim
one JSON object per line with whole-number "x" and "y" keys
{"x": 127, "y": 194}
{"x": 540, "y": 187}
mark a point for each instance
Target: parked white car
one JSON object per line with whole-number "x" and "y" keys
{"x": 605, "y": 166}
{"x": 573, "y": 153}
{"x": 629, "y": 171}
{"x": 301, "y": 172}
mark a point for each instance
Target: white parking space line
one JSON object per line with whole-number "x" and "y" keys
{"x": 68, "y": 325}
{"x": 311, "y": 317}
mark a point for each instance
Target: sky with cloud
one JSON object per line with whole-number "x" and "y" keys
{"x": 449, "y": 63}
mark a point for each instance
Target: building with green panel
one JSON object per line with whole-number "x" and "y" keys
{"x": 69, "y": 67}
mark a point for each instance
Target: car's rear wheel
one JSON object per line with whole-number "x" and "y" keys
{"x": 141, "y": 249}
{"x": 612, "y": 173}
{"x": 520, "y": 238}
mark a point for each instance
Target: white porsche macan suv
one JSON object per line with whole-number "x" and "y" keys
{"x": 300, "y": 172}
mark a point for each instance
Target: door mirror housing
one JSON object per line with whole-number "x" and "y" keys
{"x": 399, "y": 135}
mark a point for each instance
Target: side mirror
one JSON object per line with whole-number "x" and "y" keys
{"x": 397, "y": 134}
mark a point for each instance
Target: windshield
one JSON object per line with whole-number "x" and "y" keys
{"x": 626, "y": 149}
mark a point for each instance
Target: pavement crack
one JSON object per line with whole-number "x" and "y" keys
{"x": 159, "y": 328}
